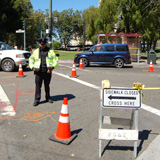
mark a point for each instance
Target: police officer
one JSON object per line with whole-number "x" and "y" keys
{"x": 43, "y": 61}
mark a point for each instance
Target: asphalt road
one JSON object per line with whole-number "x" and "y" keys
{"x": 25, "y": 133}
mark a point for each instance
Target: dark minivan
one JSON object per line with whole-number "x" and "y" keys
{"x": 111, "y": 54}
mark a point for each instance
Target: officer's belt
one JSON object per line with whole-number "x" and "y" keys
{"x": 43, "y": 69}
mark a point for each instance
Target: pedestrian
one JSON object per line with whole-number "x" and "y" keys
{"x": 30, "y": 49}
{"x": 43, "y": 60}
{"x": 15, "y": 47}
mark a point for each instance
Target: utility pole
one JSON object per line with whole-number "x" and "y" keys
{"x": 50, "y": 23}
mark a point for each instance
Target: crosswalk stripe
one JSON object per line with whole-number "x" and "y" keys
{"x": 6, "y": 108}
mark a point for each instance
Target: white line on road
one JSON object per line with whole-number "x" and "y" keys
{"x": 78, "y": 80}
{"x": 6, "y": 108}
{"x": 76, "y": 68}
{"x": 145, "y": 107}
{"x": 151, "y": 109}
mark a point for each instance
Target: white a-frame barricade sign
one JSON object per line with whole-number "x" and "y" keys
{"x": 119, "y": 98}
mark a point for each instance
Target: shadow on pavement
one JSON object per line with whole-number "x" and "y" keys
{"x": 61, "y": 97}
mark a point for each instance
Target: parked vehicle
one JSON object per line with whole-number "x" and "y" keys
{"x": 10, "y": 58}
{"x": 111, "y": 54}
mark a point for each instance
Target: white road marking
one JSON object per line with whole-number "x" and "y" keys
{"x": 76, "y": 68}
{"x": 77, "y": 80}
{"x": 151, "y": 109}
{"x": 145, "y": 107}
{"x": 64, "y": 66}
{"x": 6, "y": 108}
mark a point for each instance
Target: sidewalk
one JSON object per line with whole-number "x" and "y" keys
{"x": 152, "y": 152}
{"x": 144, "y": 61}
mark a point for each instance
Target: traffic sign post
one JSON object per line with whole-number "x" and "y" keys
{"x": 22, "y": 31}
{"x": 119, "y": 98}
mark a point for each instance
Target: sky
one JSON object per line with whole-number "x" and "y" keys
{"x": 61, "y": 5}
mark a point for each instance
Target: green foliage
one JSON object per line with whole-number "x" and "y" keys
{"x": 69, "y": 25}
{"x": 90, "y": 15}
{"x": 56, "y": 44}
{"x": 35, "y": 20}
{"x": 107, "y": 13}
{"x": 141, "y": 16}
{"x": 12, "y": 13}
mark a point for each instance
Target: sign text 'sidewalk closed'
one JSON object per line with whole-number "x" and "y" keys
{"x": 115, "y": 97}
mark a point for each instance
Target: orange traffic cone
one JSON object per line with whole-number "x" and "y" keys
{"x": 151, "y": 66}
{"x": 63, "y": 134}
{"x": 81, "y": 64}
{"x": 73, "y": 74}
{"x": 20, "y": 72}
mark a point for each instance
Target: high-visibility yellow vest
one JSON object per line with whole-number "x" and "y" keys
{"x": 35, "y": 61}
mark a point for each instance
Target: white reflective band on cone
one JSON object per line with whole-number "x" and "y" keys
{"x": 64, "y": 109}
{"x": 63, "y": 119}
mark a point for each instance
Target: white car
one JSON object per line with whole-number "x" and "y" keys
{"x": 10, "y": 58}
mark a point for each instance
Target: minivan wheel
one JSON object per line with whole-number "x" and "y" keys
{"x": 85, "y": 62}
{"x": 8, "y": 65}
{"x": 119, "y": 63}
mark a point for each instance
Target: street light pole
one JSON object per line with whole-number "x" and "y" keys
{"x": 50, "y": 23}
{"x": 24, "y": 39}
{"x": 24, "y": 27}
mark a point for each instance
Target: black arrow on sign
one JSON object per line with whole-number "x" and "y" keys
{"x": 115, "y": 97}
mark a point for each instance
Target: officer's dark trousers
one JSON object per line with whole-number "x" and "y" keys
{"x": 39, "y": 78}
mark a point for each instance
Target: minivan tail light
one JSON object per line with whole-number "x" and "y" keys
{"x": 127, "y": 55}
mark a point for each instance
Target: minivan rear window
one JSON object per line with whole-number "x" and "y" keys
{"x": 121, "y": 48}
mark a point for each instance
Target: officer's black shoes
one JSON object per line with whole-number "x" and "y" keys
{"x": 35, "y": 103}
{"x": 49, "y": 100}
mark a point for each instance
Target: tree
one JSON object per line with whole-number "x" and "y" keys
{"x": 143, "y": 17}
{"x": 56, "y": 44}
{"x": 90, "y": 16}
{"x": 68, "y": 25}
{"x": 35, "y": 26}
{"x": 128, "y": 16}
{"x": 11, "y": 15}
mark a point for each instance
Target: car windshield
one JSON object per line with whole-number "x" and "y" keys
{"x": 4, "y": 46}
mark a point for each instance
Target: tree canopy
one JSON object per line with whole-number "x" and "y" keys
{"x": 141, "y": 16}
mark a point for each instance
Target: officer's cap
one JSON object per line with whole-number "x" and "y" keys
{"x": 42, "y": 40}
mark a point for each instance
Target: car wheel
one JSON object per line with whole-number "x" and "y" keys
{"x": 85, "y": 62}
{"x": 119, "y": 63}
{"x": 8, "y": 65}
